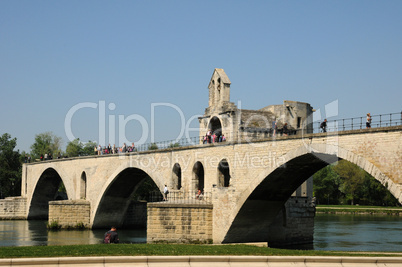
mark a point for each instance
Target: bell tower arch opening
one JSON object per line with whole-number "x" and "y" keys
{"x": 215, "y": 126}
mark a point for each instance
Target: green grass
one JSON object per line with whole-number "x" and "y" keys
{"x": 358, "y": 209}
{"x": 163, "y": 250}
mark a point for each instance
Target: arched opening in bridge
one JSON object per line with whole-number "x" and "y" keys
{"x": 265, "y": 203}
{"x": 48, "y": 188}
{"x": 176, "y": 176}
{"x": 198, "y": 176}
{"x": 124, "y": 202}
{"x": 215, "y": 126}
{"x": 272, "y": 206}
{"x": 347, "y": 184}
{"x": 83, "y": 186}
{"x": 223, "y": 174}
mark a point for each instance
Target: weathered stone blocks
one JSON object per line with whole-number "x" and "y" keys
{"x": 70, "y": 213}
{"x": 179, "y": 223}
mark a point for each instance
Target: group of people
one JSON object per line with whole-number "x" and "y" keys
{"x": 46, "y": 156}
{"x": 99, "y": 150}
{"x": 213, "y": 137}
{"x": 285, "y": 128}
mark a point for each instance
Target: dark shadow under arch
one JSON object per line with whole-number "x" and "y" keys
{"x": 252, "y": 222}
{"x": 83, "y": 186}
{"x": 198, "y": 176}
{"x": 223, "y": 174}
{"x": 117, "y": 198}
{"x": 177, "y": 176}
{"x": 47, "y": 189}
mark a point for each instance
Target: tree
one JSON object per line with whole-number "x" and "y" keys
{"x": 326, "y": 186}
{"x": 173, "y": 145}
{"x": 153, "y": 146}
{"x": 74, "y": 148}
{"x": 88, "y": 148}
{"x": 352, "y": 178}
{"x": 46, "y": 143}
{"x": 10, "y": 167}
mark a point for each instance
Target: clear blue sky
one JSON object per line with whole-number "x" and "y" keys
{"x": 57, "y": 54}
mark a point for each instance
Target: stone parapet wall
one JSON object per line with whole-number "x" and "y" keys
{"x": 13, "y": 208}
{"x": 179, "y": 223}
{"x": 69, "y": 213}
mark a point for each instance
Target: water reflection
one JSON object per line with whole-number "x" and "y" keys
{"x": 34, "y": 233}
{"x": 348, "y": 232}
{"x": 332, "y": 232}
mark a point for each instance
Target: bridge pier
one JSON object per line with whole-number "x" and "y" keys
{"x": 179, "y": 222}
{"x": 70, "y": 213}
{"x": 193, "y": 223}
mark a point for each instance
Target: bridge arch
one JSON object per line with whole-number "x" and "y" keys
{"x": 198, "y": 177}
{"x": 83, "y": 185}
{"x": 45, "y": 190}
{"x": 114, "y": 199}
{"x": 223, "y": 173}
{"x": 176, "y": 176}
{"x": 269, "y": 191}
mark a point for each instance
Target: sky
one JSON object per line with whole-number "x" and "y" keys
{"x": 119, "y": 71}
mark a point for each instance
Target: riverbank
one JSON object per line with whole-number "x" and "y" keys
{"x": 348, "y": 209}
{"x": 169, "y": 250}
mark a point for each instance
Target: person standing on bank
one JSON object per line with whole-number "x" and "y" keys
{"x": 111, "y": 236}
{"x": 165, "y": 193}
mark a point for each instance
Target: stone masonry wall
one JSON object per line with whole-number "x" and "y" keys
{"x": 294, "y": 224}
{"x": 69, "y": 213}
{"x": 179, "y": 223}
{"x": 13, "y": 208}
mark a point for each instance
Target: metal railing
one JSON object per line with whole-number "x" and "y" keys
{"x": 377, "y": 121}
{"x": 192, "y": 141}
{"x": 177, "y": 196}
{"x": 254, "y": 134}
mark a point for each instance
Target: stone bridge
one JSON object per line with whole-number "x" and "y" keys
{"x": 249, "y": 182}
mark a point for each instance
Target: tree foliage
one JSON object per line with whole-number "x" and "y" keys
{"x": 352, "y": 179}
{"x": 345, "y": 183}
{"x": 76, "y": 148}
{"x": 10, "y": 167}
{"x": 173, "y": 145}
{"x": 326, "y": 186}
{"x": 153, "y": 146}
{"x": 46, "y": 143}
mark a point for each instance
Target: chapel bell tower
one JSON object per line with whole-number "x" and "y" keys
{"x": 219, "y": 88}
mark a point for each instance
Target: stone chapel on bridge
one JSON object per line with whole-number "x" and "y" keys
{"x": 223, "y": 117}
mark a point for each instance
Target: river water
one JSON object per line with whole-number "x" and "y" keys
{"x": 331, "y": 232}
